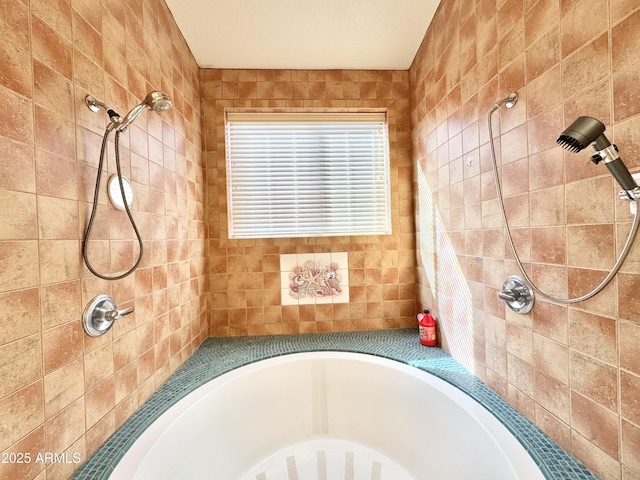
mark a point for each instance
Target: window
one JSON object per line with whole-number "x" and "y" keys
{"x": 307, "y": 174}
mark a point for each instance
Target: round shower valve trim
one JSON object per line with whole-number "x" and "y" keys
{"x": 517, "y": 294}
{"x": 100, "y": 313}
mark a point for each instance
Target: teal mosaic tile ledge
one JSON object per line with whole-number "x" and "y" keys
{"x": 217, "y": 356}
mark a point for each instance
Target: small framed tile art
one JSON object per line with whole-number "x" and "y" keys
{"x": 312, "y": 278}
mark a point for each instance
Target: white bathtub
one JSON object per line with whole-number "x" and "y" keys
{"x": 327, "y": 416}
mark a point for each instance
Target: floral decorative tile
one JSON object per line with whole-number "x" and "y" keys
{"x": 315, "y": 278}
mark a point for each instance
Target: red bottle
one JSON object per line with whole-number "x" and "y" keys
{"x": 427, "y": 329}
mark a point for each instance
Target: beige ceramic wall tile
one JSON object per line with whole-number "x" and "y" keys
{"x": 567, "y": 238}
{"x": 54, "y": 54}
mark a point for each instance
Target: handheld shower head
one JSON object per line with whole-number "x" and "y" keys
{"x": 582, "y": 132}
{"x": 156, "y": 101}
{"x": 587, "y": 130}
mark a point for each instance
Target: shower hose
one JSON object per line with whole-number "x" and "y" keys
{"x": 85, "y": 245}
{"x": 562, "y": 301}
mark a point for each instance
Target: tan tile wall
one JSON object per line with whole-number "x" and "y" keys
{"x": 245, "y": 275}
{"x": 574, "y": 371}
{"x": 60, "y": 390}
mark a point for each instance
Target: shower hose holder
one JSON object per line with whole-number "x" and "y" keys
{"x": 100, "y": 313}
{"x": 624, "y": 194}
{"x": 632, "y": 196}
{"x": 517, "y": 294}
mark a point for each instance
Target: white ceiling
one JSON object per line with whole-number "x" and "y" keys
{"x": 304, "y": 34}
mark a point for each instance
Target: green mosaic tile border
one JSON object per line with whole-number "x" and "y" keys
{"x": 217, "y": 356}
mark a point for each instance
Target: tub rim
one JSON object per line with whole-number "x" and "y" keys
{"x": 476, "y": 412}
{"x": 219, "y": 355}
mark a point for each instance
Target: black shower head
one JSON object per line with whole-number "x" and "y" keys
{"x": 589, "y": 131}
{"x": 583, "y": 132}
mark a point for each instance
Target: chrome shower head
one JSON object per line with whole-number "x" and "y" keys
{"x": 95, "y": 106}
{"x": 586, "y": 131}
{"x": 509, "y": 101}
{"x": 156, "y": 101}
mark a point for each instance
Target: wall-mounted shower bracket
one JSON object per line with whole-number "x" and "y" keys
{"x": 100, "y": 313}
{"x": 624, "y": 195}
{"x": 517, "y": 294}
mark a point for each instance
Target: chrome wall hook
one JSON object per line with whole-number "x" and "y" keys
{"x": 517, "y": 294}
{"x": 100, "y": 313}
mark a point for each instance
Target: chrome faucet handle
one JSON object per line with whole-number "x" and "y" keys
{"x": 100, "y": 313}
{"x": 116, "y": 314}
{"x": 517, "y": 294}
{"x": 511, "y": 295}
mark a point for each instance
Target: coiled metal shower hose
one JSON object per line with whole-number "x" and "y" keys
{"x": 562, "y": 301}
{"x": 85, "y": 244}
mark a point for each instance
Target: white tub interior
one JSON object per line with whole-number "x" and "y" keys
{"x": 327, "y": 416}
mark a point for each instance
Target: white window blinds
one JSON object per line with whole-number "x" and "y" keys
{"x": 307, "y": 174}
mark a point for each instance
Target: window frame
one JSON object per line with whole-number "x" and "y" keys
{"x": 380, "y": 197}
